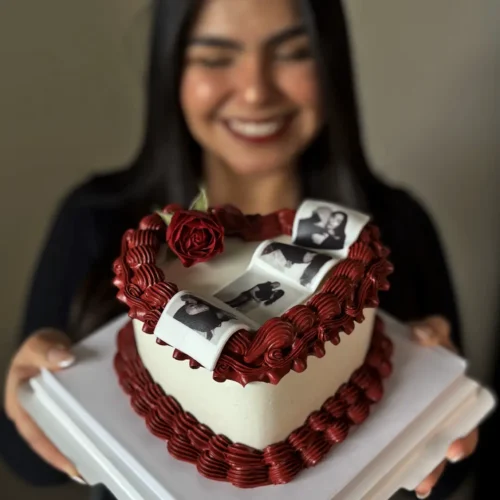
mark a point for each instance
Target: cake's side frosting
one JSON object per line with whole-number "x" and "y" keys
{"x": 281, "y": 344}
{"x": 216, "y": 457}
{"x": 257, "y": 414}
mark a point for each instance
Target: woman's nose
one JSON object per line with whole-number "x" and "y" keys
{"x": 255, "y": 82}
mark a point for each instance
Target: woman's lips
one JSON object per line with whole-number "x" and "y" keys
{"x": 258, "y": 130}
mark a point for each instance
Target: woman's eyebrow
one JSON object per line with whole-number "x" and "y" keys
{"x": 227, "y": 43}
{"x": 214, "y": 41}
{"x": 286, "y": 34}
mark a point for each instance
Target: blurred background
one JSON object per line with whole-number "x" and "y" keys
{"x": 71, "y": 104}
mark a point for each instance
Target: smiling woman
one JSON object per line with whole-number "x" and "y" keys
{"x": 250, "y": 86}
{"x": 256, "y": 100}
{"x": 249, "y": 89}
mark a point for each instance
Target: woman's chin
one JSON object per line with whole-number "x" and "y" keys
{"x": 259, "y": 167}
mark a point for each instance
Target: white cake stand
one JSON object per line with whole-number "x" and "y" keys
{"x": 429, "y": 401}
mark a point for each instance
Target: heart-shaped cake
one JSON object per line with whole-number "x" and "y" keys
{"x": 254, "y": 345}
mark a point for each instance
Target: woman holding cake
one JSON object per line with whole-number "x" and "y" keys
{"x": 256, "y": 100}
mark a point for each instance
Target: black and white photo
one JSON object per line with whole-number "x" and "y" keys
{"x": 324, "y": 228}
{"x": 199, "y": 326}
{"x": 262, "y": 293}
{"x": 203, "y": 317}
{"x": 304, "y": 266}
{"x": 260, "y": 296}
{"x": 327, "y": 226}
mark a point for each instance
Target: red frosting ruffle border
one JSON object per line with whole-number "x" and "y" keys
{"x": 283, "y": 343}
{"x": 216, "y": 457}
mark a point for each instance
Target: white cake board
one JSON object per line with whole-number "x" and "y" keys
{"x": 428, "y": 403}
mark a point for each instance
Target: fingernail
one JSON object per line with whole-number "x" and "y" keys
{"x": 60, "y": 356}
{"x": 78, "y": 479}
{"x": 456, "y": 458}
{"x": 424, "y": 495}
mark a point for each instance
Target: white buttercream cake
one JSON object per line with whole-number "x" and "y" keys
{"x": 297, "y": 359}
{"x": 256, "y": 414}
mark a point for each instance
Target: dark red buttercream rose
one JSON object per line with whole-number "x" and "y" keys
{"x": 195, "y": 236}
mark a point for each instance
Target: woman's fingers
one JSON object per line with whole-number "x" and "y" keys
{"x": 463, "y": 447}
{"x": 458, "y": 450}
{"x": 424, "y": 489}
{"x": 433, "y": 331}
{"x": 48, "y": 349}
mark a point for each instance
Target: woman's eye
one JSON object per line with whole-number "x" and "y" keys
{"x": 207, "y": 62}
{"x": 296, "y": 55}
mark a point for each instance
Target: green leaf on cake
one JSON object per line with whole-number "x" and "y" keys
{"x": 200, "y": 203}
{"x": 165, "y": 217}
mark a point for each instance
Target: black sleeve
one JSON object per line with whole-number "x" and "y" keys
{"x": 421, "y": 284}
{"x": 65, "y": 259}
{"x": 437, "y": 292}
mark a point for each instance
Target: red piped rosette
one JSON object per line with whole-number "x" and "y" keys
{"x": 216, "y": 457}
{"x": 282, "y": 343}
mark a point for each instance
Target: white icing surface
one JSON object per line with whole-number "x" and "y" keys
{"x": 209, "y": 277}
{"x": 258, "y": 414}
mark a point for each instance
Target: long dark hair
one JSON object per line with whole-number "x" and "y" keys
{"x": 168, "y": 166}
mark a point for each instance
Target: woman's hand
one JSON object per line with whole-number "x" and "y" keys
{"x": 434, "y": 331}
{"x": 48, "y": 349}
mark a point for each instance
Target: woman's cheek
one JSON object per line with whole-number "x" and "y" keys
{"x": 300, "y": 84}
{"x": 200, "y": 94}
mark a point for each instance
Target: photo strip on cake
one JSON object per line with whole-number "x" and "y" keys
{"x": 261, "y": 296}
{"x": 303, "y": 266}
{"x": 327, "y": 227}
{"x": 202, "y": 317}
{"x": 199, "y": 326}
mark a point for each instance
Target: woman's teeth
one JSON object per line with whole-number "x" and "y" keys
{"x": 255, "y": 129}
